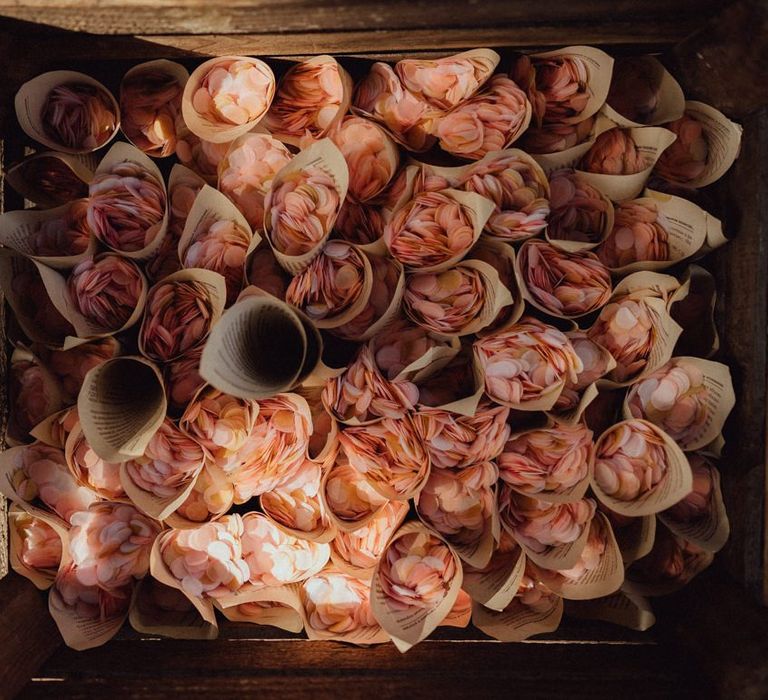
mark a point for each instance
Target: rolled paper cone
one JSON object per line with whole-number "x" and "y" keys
{"x": 26, "y": 177}
{"x": 674, "y": 485}
{"x": 58, "y": 291}
{"x": 651, "y": 142}
{"x": 285, "y": 611}
{"x": 31, "y": 99}
{"x": 570, "y": 157}
{"x": 172, "y": 70}
{"x": 12, "y": 266}
{"x": 723, "y": 142}
{"x": 274, "y": 124}
{"x": 669, "y": 95}
{"x": 409, "y": 624}
{"x": 599, "y": 67}
{"x": 325, "y": 155}
{"x": 18, "y": 517}
{"x": 518, "y": 621}
{"x": 689, "y": 229}
{"x": 604, "y": 579}
{"x": 121, "y": 404}
{"x": 377, "y": 502}
{"x": 18, "y": 227}
{"x": 147, "y": 617}
{"x": 257, "y": 349}
{"x": 80, "y": 632}
{"x": 215, "y": 289}
{"x": 718, "y": 401}
{"x": 127, "y": 153}
{"x": 159, "y": 570}
{"x": 709, "y": 532}
{"x": 620, "y": 608}
{"x": 479, "y": 210}
{"x": 495, "y": 585}
{"x": 221, "y": 132}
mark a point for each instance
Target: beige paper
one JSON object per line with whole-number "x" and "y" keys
{"x": 496, "y": 585}
{"x": 17, "y": 227}
{"x": 211, "y": 206}
{"x": 13, "y": 264}
{"x": 676, "y": 484}
{"x": 570, "y": 157}
{"x": 31, "y": 98}
{"x": 710, "y": 533}
{"x": 146, "y": 617}
{"x": 651, "y": 141}
{"x": 257, "y": 349}
{"x": 172, "y": 70}
{"x": 58, "y": 292}
{"x": 346, "y": 98}
{"x": 286, "y": 614}
{"x": 160, "y": 571}
{"x": 157, "y": 507}
{"x": 620, "y": 608}
{"x": 410, "y": 626}
{"x": 501, "y": 256}
{"x": 215, "y": 287}
{"x": 688, "y": 228}
{"x": 201, "y": 125}
{"x": 121, "y": 405}
{"x": 518, "y": 621}
{"x": 431, "y": 362}
{"x": 603, "y": 580}
{"x": 467, "y": 405}
{"x": 670, "y": 99}
{"x": 80, "y": 632}
{"x": 50, "y": 430}
{"x": 723, "y": 141}
{"x": 79, "y": 166}
{"x": 588, "y": 395}
{"x": 126, "y": 153}
{"x": 643, "y": 284}
{"x": 719, "y": 400}
{"x": 479, "y": 209}
{"x": 325, "y": 155}
{"x": 18, "y": 517}
{"x": 636, "y": 539}
{"x": 599, "y": 69}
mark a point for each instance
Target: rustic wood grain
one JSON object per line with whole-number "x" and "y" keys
{"x": 726, "y": 61}
{"x": 28, "y": 634}
{"x": 488, "y": 669}
{"x": 300, "y": 16}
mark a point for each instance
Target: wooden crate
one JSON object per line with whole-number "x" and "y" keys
{"x": 712, "y": 637}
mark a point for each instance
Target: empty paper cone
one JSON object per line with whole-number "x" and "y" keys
{"x": 258, "y": 348}
{"x": 121, "y": 405}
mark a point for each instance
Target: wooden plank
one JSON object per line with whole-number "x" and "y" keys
{"x": 441, "y": 669}
{"x": 28, "y": 635}
{"x": 298, "y": 16}
{"x": 726, "y": 62}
